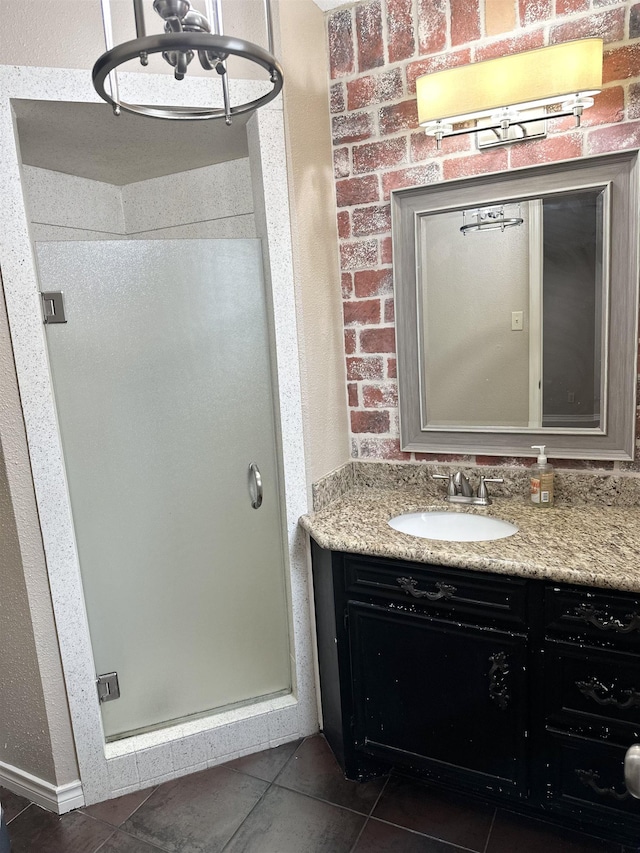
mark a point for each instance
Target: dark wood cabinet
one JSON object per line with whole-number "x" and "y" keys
{"x": 515, "y": 690}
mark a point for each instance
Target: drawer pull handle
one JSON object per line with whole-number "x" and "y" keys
{"x": 498, "y": 690}
{"x": 443, "y": 590}
{"x": 593, "y": 689}
{"x": 587, "y": 613}
{"x": 590, "y": 779}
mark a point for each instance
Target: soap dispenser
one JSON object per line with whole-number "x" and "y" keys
{"x": 541, "y": 480}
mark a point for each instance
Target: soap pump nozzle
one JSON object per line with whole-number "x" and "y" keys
{"x": 542, "y": 459}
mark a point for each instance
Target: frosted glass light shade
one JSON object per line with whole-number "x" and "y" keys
{"x": 523, "y": 80}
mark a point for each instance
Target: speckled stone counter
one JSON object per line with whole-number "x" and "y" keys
{"x": 591, "y": 544}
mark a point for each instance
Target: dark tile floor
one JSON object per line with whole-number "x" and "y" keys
{"x": 292, "y": 799}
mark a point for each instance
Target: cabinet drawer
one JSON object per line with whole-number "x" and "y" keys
{"x": 592, "y": 691}
{"x": 586, "y": 773}
{"x": 434, "y": 588}
{"x": 606, "y": 619}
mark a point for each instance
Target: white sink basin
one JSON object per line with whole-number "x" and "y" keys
{"x": 453, "y": 526}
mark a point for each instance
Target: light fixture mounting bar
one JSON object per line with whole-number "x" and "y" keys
{"x": 499, "y": 126}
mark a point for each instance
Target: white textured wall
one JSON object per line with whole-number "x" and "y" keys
{"x": 35, "y": 728}
{"x": 65, "y": 207}
{"x": 303, "y": 53}
{"x": 214, "y": 202}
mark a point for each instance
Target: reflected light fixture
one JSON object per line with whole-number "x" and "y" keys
{"x": 500, "y": 89}
{"x": 489, "y": 219}
{"x": 186, "y": 32}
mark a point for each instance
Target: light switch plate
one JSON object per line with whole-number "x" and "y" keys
{"x": 517, "y": 321}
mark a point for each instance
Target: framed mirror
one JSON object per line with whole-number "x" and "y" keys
{"x": 516, "y": 301}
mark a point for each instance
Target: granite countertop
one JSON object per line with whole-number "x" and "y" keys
{"x": 591, "y": 544}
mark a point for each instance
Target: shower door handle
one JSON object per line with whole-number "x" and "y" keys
{"x": 255, "y": 485}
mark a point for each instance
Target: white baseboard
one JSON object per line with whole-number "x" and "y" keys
{"x": 59, "y": 799}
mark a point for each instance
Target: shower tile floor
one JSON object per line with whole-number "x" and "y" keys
{"x": 292, "y": 799}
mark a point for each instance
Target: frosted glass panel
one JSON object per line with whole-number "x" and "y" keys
{"x": 163, "y": 389}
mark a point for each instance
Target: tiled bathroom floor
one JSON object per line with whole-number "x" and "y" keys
{"x": 292, "y": 799}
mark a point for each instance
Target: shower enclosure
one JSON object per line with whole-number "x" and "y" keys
{"x": 163, "y": 390}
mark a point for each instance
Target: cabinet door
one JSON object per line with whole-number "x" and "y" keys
{"x": 444, "y": 697}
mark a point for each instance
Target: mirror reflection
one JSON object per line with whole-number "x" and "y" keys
{"x": 512, "y": 313}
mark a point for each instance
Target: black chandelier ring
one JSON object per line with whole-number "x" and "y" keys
{"x": 218, "y": 45}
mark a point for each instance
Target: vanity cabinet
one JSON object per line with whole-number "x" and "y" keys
{"x": 514, "y": 690}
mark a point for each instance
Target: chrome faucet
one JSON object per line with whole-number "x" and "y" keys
{"x": 459, "y": 489}
{"x": 462, "y": 484}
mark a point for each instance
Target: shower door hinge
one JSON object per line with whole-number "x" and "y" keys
{"x": 108, "y": 687}
{"x": 53, "y": 307}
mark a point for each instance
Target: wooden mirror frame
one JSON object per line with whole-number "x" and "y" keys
{"x": 620, "y": 172}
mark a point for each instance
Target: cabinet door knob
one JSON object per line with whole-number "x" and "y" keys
{"x": 443, "y": 590}
{"x": 590, "y": 778}
{"x": 498, "y": 689}
{"x": 632, "y": 770}
{"x": 593, "y": 689}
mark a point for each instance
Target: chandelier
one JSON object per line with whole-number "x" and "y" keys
{"x": 187, "y": 32}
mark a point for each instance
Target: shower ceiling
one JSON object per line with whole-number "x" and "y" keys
{"x": 86, "y": 140}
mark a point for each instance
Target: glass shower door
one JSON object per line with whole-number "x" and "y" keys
{"x": 163, "y": 390}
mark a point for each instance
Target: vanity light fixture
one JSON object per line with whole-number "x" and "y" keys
{"x": 185, "y": 33}
{"x": 500, "y": 89}
{"x": 489, "y": 219}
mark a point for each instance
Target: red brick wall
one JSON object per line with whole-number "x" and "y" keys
{"x": 377, "y": 48}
